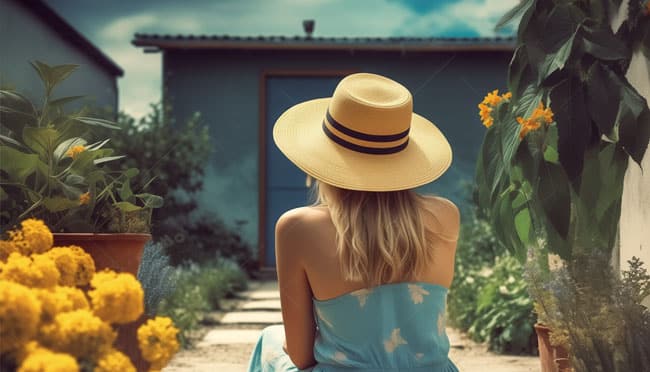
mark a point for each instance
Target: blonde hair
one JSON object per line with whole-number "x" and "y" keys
{"x": 381, "y": 236}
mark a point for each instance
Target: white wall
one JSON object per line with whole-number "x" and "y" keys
{"x": 24, "y": 37}
{"x": 634, "y": 228}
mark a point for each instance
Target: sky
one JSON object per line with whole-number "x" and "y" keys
{"x": 111, "y": 24}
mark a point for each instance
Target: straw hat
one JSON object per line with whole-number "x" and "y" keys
{"x": 364, "y": 137}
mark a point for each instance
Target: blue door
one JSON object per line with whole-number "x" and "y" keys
{"x": 285, "y": 183}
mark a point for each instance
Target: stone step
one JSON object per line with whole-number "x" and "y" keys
{"x": 230, "y": 336}
{"x": 260, "y": 295}
{"x": 252, "y": 317}
{"x": 262, "y": 305}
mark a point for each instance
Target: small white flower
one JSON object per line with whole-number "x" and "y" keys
{"x": 394, "y": 341}
{"x": 323, "y": 318}
{"x": 503, "y": 290}
{"x": 441, "y": 323}
{"x": 417, "y": 293}
{"x": 469, "y": 280}
{"x": 362, "y": 296}
{"x": 485, "y": 272}
{"x": 511, "y": 279}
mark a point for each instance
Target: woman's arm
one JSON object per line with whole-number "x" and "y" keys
{"x": 295, "y": 292}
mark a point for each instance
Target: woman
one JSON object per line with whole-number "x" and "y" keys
{"x": 364, "y": 272}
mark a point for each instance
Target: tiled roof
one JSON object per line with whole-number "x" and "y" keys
{"x": 155, "y": 42}
{"x": 69, "y": 33}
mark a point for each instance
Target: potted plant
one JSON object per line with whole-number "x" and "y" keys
{"x": 50, "y": 171}
{"x": 551, "y": 166}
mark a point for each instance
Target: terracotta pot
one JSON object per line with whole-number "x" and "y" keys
{"x": 548, "y": 354}
{"x": 120, "y": 252}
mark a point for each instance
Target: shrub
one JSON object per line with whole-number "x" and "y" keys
{"x": 199, "y": 288}
{"x": 156, "y": 276}
{"x": 488, "y": 297}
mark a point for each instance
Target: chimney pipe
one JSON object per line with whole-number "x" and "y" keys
{"x": 308, "y": 26}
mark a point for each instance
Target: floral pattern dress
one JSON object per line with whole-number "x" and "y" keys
{"x": 392, "y": 327}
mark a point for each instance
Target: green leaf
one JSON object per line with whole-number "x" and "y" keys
{"x": 12, "y": 141}
{"x": 75, "y": 179}
{"x": 603, "y": 44}
{"x": 634, "y": 123}
{"x": 150, "y": 200}
{"x": 53, "y": 75}
{"x": 17, "y": 164}
{"x": 96, "y": 122}
{"x": 59, "y": 204}
{"x": 603, "y": 96}
{"x": 41, "y": 140}
{"x": 554, "y": 196}
{"x": 550, "y": 152}
{"x": 15, "y": 120}
{"x": 557, "y": 61}
{"x": 126, "y": 206}
{"x": 520, "y": 73}
{"x": 97, "y": 145}
{"x": 125, "y": 191}
{"x": 513, "y": 13}
{"x": 573, "y": 124}
{"x": 131, "y": 172}
{"x": 64, "y": 100}
{"x": 107, "y": 159}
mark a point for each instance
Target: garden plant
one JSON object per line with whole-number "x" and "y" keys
{"x": 50, "y": 171}
{"x": 551, "y": 166}
{"x": 57, "y": 313}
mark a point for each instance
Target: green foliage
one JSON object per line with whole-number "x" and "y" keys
{"x": 156, "y": 276}
{"x": 562, "y": 183}
{"x": 176, "y": 154}
{"x": 595, "y": 314}
{"x": 488, "y": 297}
{"x": 50, "y": 171}
{"x": 199, "y": 288}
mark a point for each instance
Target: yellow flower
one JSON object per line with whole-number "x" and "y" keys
{"x": 33, "y": 237}
{"x": 19, "y": 315}
{"x": 157, "y": 341}
{"x": 43, "y": 360}
{"x": 75, "y": 150}
{"x": 491, "y": 100}
{"x": 540, "y": 115}
{"x": 79, "y": 333}
{"x": 114, "y": 360}
{"x": 36, "y": 270}
{"x": 74, "y": 264}
{"x": 116, "y": 297}
{"x": 6, "y": 248}
{"x": 84, "y": 198}
{"x": 58, "y": 300}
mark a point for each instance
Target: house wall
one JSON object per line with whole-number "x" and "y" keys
{"x": 634, "y": 226}
{"x": 224, "y": 86}
{"x": 24, "y": 38}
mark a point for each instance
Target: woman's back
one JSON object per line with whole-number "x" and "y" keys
{"x": 322, "y": 264}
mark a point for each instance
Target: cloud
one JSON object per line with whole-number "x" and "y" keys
{"x": 459, "y": 18}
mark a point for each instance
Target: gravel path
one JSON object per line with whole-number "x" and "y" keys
{"x": 226, "y": 339}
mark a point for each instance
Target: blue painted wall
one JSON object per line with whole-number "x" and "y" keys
{"x": 225, "y": 87}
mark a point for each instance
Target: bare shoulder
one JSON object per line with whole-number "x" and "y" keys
{"x": 298, "y": 221}
{"x": 446, "y": 216}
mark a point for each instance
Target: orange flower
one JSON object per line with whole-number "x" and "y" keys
{"x": 490, "y": 101}
{"x": 540, "y": 115}
{"x": 75, "y": 150}
{"x": 84, "y": 198}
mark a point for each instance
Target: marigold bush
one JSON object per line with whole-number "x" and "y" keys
{"x": 49, "y": 324}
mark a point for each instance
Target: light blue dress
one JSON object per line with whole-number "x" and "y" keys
{"x": 392, "y": 327}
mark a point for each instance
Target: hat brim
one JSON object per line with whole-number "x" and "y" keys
{"x": 299, "y": 135}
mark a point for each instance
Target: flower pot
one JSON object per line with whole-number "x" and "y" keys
{"x": 548, "y": 354}
{"x": 120, "y": 252}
